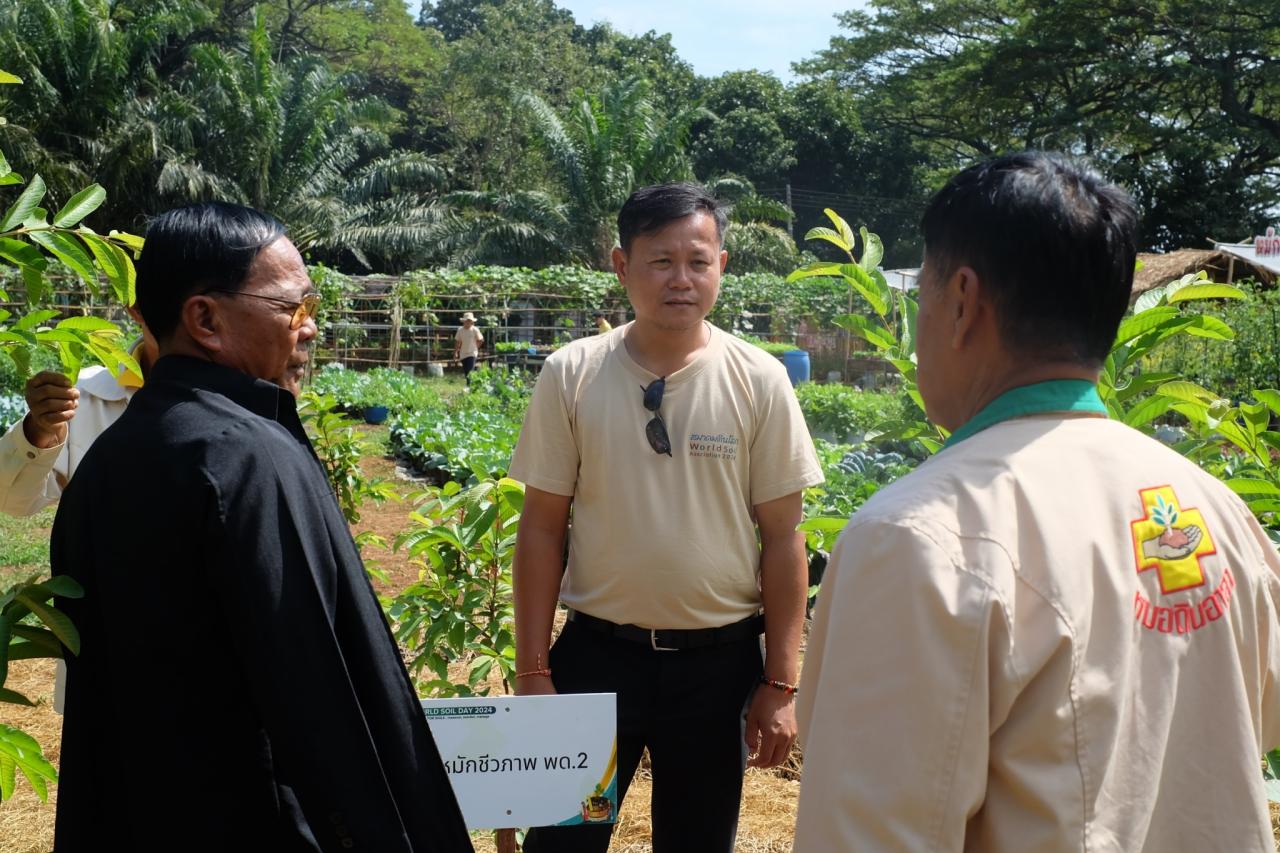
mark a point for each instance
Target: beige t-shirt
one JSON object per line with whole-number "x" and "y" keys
{"x": 1057, "y": 635}
{"x": 469, "y": 341}
{"x": 664, "y": 541}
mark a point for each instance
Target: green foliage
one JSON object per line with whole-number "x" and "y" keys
{"x": 31, "y": 627}
{"x": 853, "y": 475}
{"x": 1250, "y": 360}
{"x": 1236, "y": 444}
{"x": 771, "y": 347}
{"x": 20, "y": 751}
{"x": 1135, "y": 398}
{"x": 25, "y": 230}
{"x": 24, "y": 545}
{"x": 355, "y": 391}
{"x": 340, "y": 447}
{"x": 471, "y": 437}
{"x": 602, "y": 149}
{"x": 491, "y": 290}
{"x": 1158, "y": 319}
{"x": 1172, "y": 96}
{"x": 471, "y": 443}
{"x": 461, "y": 610}
{"x": 844, "y": 413}
{"x": 745, "y": 137}
{"x": 890, "y": 329}
{"x": 172, "y": 102}
{"x": 488, "y": 290}
{"x": 499, "y": 389}
{"x": 13, "y": 408}
{"x": 816, "y": 301}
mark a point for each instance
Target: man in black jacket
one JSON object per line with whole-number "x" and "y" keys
{"x": 237, "y": 686}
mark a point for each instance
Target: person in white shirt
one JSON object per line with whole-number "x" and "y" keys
{"x": 40, "y": 453}
{"x": 467, "y": 344}
{"x": 1057, "y": 634}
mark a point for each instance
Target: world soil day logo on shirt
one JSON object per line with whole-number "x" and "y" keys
{"x": 720, "y": 445}
{"x": 1172, "y": 542}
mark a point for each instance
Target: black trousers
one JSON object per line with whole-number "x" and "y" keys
{"x": 468, "y": 365}
{"x": 688, "y": 707}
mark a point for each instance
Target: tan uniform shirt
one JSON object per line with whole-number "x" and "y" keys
{"x": 658, "y": 541}
{"x": 1057, "y": 635}
{"x": 469, "y": 341}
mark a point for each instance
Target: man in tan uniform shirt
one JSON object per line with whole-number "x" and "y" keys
{"x": 1057, "y": 634}
{"x": 684, "y": 455}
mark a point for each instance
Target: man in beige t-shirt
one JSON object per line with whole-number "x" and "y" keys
{"x": 684, "y": 456}
{"x": 1056, "y": 634}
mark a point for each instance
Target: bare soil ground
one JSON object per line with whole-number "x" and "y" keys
{"x": 26, "y": 824}
{"x": 769, "y": 797}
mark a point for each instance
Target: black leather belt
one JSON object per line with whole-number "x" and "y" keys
{"x": 673, "y": 639}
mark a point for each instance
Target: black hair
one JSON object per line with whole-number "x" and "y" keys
{"x": 652, "y": 208}
{"x": 1054, "y": 242}
{"x": 194, "y": 249}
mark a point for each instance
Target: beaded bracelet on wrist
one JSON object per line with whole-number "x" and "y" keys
{"x": 541, "y": 670}
{"x": 789, "y": 689}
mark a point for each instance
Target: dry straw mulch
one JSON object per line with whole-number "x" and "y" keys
{"x": 769, "y": 798}
{"x": 26, "y": 824}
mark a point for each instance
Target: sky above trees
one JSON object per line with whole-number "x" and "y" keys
{"x": 715, "y": 36}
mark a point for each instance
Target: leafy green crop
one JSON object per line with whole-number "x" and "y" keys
{"x": 844, "y": 413}
{"x": 462, "y": 608}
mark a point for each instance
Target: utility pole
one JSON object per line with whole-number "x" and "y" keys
{"x": 790, "y": 222}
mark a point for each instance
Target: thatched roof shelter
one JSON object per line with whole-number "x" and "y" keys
{"x": 1158, "y": 270}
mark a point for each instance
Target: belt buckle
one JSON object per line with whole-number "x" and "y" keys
{"x": 653, "y": 642}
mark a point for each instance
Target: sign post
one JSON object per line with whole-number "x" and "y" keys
{"x": 518, "y": 761}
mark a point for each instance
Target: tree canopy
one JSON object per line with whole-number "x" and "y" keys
{"x": 505, "y": 131}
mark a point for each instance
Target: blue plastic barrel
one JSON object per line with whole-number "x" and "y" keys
{"x": 375, "y": 414}
{"x": 797, "y": 364}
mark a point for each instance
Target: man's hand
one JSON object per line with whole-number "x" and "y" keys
{"x": 51, "y": 404}
{"x": 771, "y": 727}
{"x": 530, "y": 685}
{"x": 1174, "y": 544}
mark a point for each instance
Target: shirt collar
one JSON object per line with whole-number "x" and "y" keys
{"x": 104, "y": 386}
{"x": 259, "y": 396}
{"x": 1055, "y": 395}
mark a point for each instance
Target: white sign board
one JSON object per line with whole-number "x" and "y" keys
{"x": 530, "y": 760}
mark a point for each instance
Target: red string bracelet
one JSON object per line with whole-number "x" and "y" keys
{"x": 789, "y": 689}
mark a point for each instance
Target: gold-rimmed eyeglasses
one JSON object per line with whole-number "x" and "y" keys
{"x": 308, "y": 307}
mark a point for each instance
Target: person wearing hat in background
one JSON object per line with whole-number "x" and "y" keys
{"x": 466, "y": 345}
{"x": 603, "y": 326}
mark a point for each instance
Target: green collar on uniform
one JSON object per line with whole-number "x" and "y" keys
{"x": 1056, "y": 395}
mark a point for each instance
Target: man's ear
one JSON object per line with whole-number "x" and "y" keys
{"x": 968, "y": 303}
{"x": 204, "y": 322}
{"x": 620, "y": 265}
{"x": 724, "y": 260}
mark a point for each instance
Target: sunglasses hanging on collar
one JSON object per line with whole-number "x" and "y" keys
{"x": 656, "y": 430}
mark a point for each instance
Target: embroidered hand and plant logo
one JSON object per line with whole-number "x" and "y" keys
{"x": 1172, "y": 541}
